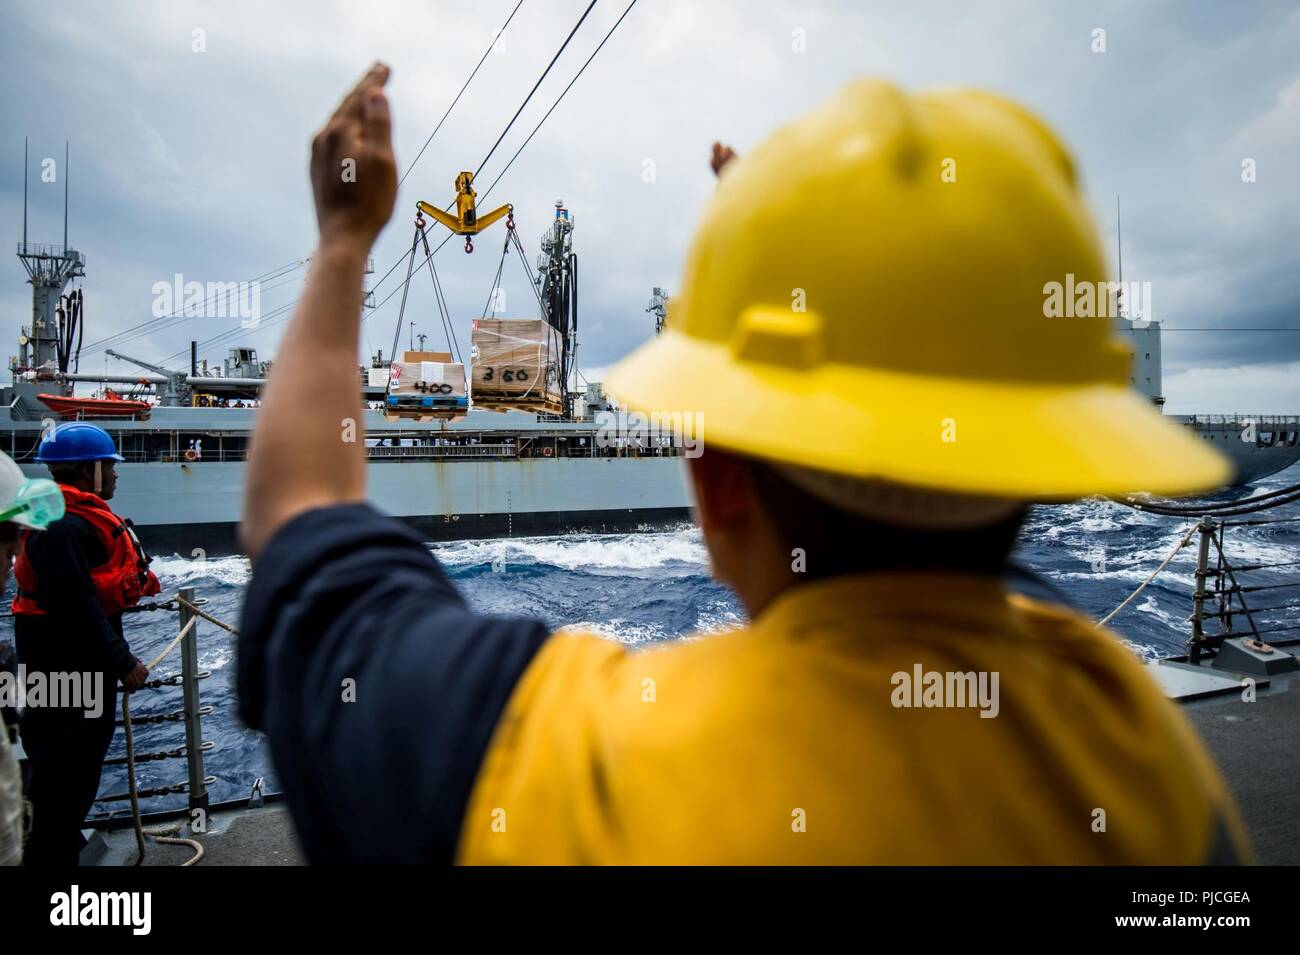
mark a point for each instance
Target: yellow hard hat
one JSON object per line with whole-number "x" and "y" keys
{"x": 866, "y": 296}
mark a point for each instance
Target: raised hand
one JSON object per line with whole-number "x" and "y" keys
{"x": 353, "y": 172}
{"x": 721, "y": 155}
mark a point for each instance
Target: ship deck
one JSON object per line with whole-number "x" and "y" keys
{"x": 1258, "y": 749}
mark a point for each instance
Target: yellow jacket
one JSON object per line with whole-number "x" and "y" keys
{"x": 784, "y": 742}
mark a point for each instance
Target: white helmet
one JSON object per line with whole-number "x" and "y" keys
{"x": 35, "y": 503}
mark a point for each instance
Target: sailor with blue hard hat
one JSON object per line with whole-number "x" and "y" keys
{"x": 77, "y": 442}
{"x": 73, "y": 583}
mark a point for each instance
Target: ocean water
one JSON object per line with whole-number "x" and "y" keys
{"x": 646, "y": 587}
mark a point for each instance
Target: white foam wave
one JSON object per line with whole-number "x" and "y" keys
{"x": 619, "y": 631}
{"x": 589, "y": 552}
{"x": 179, "y": 571}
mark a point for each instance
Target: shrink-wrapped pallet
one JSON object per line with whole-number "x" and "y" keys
{"x": 435, "y": 379}
{"x": 515, "y": 359}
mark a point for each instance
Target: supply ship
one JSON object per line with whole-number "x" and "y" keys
{"x": 556, "y": 460}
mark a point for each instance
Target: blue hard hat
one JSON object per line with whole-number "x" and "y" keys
{"x": 77, "y": 441}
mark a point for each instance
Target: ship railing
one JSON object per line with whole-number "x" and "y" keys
{"x": 1237, "y": 420}
{"x": 1222, "y": 585}
{"x": 530, "y": 446}
{"x": 46, "y": 250}
{"x": 194, "y": 786}
{"x": 1220, "y": 595}
{"x": 190, "y": 714}
{"x": 443, "y": 451}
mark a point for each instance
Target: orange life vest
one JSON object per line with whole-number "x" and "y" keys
{"x": 120, "y": 581}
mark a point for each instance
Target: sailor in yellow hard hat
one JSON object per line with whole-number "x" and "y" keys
{"x": 863, "y": 339}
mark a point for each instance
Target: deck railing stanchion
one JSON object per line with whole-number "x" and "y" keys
{"x": 198, "y": 792}
{"x": 1198, "y": 598}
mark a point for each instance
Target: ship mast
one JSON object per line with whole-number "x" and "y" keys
{"x": 49, "y": 269}
{"x": 557, "y": 280}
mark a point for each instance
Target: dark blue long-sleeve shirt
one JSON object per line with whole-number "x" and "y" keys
{"x": 378, "y": 687}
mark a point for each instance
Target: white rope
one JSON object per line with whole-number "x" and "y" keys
{"x": 1155, "y": 573}
{"x": 165, "y": 835}
{"x": 206, "y": 616}
{"x": 172, "y": 646}
{"x": 162, "y": 835}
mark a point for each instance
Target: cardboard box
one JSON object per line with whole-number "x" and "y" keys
{"x": 517, "y": 358}
{"x": 435, "y": 379}
{"x": 438, "y": 356}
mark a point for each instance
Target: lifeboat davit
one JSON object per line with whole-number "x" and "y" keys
{"x": 112, "y": 405}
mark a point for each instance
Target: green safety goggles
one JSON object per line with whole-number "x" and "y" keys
{"x": 38, "y": 504}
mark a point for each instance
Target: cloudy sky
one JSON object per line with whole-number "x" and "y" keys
{"x": 195, "y": 162}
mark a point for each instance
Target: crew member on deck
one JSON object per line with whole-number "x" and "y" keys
{"x": 881, "y": 397}
{"x": 73, "y": 582}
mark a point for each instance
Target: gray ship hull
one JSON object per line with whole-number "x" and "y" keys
{"x": 1257, "y": 445}
{"x": 184, "y": 508}
{"x": 472, "y": 491}
{"x": 550, "y": 477}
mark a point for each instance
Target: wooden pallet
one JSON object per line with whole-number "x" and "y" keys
{"x": 416, "y": 412}
{"x": 500, "y": 401}
{"x": 425, "y": 414}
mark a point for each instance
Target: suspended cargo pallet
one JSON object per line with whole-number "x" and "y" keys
{"x": 426, "y": 385}
{"x": 516, "y": 365}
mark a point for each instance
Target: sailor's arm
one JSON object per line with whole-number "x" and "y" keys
{"x": 303, "y": 460}
{"x": 378, "y": 687}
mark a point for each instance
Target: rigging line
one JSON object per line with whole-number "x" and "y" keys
{"x": 447, "y": 238}
{"x": 233, "y": 333}
{"x": 271, "y": 318}
{"x": 157, "y": 325}
{"x": 458, "y": 95}
{"x": 264, "y": 321}
{"x": 445, "y": 310}
{"x": 557, "y": 101}
{"x": 496, "y": 281}
{"x": 1197, "y": 508}
{"x": 534, "y": 89}
{"x": 149, "y": 331}
{"x": 532, "y": 284}
{"x": 449, "y": 235}
{"x": 375, "y": 288}
{"x": 406, "y": 287}
{"x": 528, "y": 269}
{"x": 108, "y": 340}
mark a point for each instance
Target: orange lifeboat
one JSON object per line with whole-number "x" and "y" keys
{"x": 112, "y": 405}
